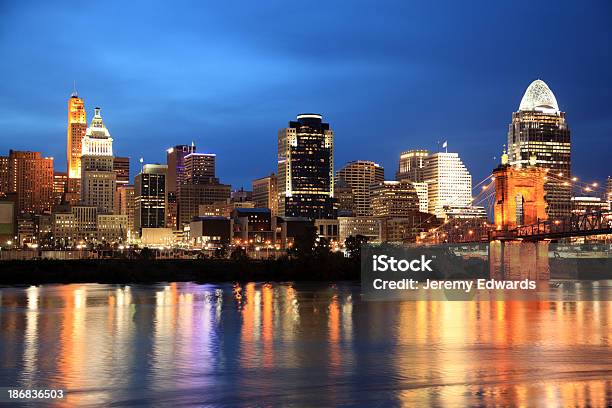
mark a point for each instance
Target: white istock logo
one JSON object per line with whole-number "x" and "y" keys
{"x": 383, "y": 263}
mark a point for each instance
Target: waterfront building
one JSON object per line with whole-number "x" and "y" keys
{"x": 470, "y": 211}
{"x": 223, "y": 208}
{"x": 98, "y": 179}
{"x": 329, "y": 229}
{"x": 540, "y": 129}
{"x": 393, "y": 199}
{"x": 253, "y": 227}
{"x": 150, "y": 197}
{"x": 121, "y": 166}
{"x": 191, "y": 196}
{"x": 31, "y": 179}
{"x": 265, "y": 193}
{"x": 359, "y": 175}
{"x": 210, "y": 232}
{"x": 8, "y": 220}
{"x": 583, "y": 205}
{"x": 111, "y": 228}
{"x": 369, "y": 227}
{"x": 449, "y": 183}
{"x": 306, "y": 168}
{"x": 407, "y": 228}
{"x": 412, "y": 165}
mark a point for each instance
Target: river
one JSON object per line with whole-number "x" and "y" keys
{"x": 301, "y": 344}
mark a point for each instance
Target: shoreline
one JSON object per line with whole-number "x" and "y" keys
{"x": 35, "y": 272}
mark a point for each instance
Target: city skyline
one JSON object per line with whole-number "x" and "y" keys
{"x": 375, "y": 70}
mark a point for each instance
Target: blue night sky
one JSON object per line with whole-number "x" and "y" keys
{"x": 387, "y": 75}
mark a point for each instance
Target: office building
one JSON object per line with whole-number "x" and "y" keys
{"x": 191, "y": 196}
{"x": 412, "y": 165}
{"x": 421, "y": 190}
{"x": 393, "y": 199}
{"x": 98, "y": 179}
{"x": 584, "y": 205}
{"x": 175, "y": 159}
{"x": 121, "y": 166}
{"x": 31, "y": 179}
{"x": 369, "y": 227}
{"x": 344, "y": 199}
{"x": 199, "y": 186}
{"x": 4, "y": 176}
{"x": 540, "y": 129}
{"x": 77, "y": 126}
{"x": 449, "y": 183}
{"x": 306, "y": 168}
{"x": 359, "y": 175}
{"x": 60, "y": 185}
{"x": 125, "y": 204}
{"x": 265, "y": 193}
{"x": 150, "y": 197}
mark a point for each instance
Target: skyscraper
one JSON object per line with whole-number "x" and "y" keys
{"x": 393, "y": 199}
{"x": 449, "y": 183}
{"x": 359, "y": 175}
{"x": 77, "y": 126}
{"x": 265, "y": 193}
{"x": 31, "y": 178}
{"x": 539, "y": 128}
{"x": 306, "y": 168}
{"x": 124, "y": 204}
{"x": 198, "y": 186}
{"x": 150, "y": 197}
{"x": 175, "y": 159}
{"x": 121, "y": 166}
{"x": 98, "y": 179}
{"x": 4, "y": 176}
{"x": 412, "y": 165}
{"x": 60, "y": 183}
{"x": 199, "y": 168}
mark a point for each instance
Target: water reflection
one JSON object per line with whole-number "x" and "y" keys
{"x": 305, "y": 344}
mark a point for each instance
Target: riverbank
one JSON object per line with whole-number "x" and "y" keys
{"x": 34, "y": 272}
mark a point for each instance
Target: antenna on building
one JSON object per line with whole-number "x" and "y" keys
{"x": 74, "y": 91}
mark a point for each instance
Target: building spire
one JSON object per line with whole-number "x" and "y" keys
{"x": 75, "y": 94}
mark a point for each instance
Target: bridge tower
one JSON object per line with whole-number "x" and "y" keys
{"x": 519, "y": 194}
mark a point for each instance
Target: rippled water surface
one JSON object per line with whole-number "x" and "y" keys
{"x": 300, "y": 345}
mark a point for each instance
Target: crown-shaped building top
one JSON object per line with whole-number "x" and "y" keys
{"x": 539, "y": 97}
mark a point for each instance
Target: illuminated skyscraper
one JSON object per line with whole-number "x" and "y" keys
{"x": 412, "y": 165}
{"x": 359, "y": 175}
{"x": 199, "y": 186}
{"x": 121, "y": 165}
{"x": 306, "y": 168}
{"x": 31, "y": 178}
{"x": 60, "y": 182}
{"x": 150, "y": 197}
{"x": 265, "y": 193}
{"x": 449, "y": 183}
{"x": 98, "y": 179}
{"x": 175, "y": 157}
{"x": 539, "y": 128}
{"x": 77, "y": 126}
{"x": 393, "y": 199}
